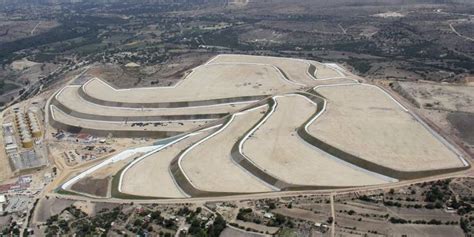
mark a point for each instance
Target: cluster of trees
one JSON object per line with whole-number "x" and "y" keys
{"x": 11, "y": 230}
{"x": 361, "y": 65}
{"x": 71, "y": 27}
{"x": 243, "y": 214}
{"x": 198, "y": 228}
{"x": 145, "y": 218}
{"x": 396, "y": 220}
{"x": 57, "y": 226}
{"x": 201, "y": 227}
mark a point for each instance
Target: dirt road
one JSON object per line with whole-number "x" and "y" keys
{"x": 333, "y": 214}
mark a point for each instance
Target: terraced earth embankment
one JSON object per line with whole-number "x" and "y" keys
{"x": 251, "y": 124}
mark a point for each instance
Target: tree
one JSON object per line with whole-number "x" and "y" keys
{"x": 198, "y": 210}
{"x": 217, "y": 226}
{"x": 434, "y": 194}
{"x": 280, "y": 219}
{"x": 155, "y": 215}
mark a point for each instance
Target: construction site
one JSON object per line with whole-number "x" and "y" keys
{"x": 238, "y": 125}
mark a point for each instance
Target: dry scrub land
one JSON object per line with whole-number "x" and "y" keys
{"x": 441, "y": 96}
{"x": 450, "y": 106}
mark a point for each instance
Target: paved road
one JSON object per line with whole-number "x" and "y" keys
{"x": 254, "y": 196}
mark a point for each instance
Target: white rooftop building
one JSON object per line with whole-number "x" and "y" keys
{"x": 3, "y": 203}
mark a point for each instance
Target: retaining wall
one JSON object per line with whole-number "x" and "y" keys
{"x": 87, "y": 97}
{"x": 76, "y": 114}
{"x": 360, "y": 162}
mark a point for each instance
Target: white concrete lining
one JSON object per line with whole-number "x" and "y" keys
{"x": 118, "y": 157}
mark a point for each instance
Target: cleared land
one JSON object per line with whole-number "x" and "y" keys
{"x": 97, "y": 183}
{"x": 365, "y": 122}
{"x": 335, "y": 81}
{"x": 207, "y": 82}
{"x": 215, "y": 171}
{"x": 277, "y": 148}
{"x": 295, "y": 69}
{"x": 324, "y": 72}
{"x": 96, "y": 187}
{"x": 49, "y": 207}
{"x": 184, "y": 125}
{"x": 357, "y": 123}
{"x": 70, "y": 97}
{"x": 425, "y": 230}
{"x": 234, "y": 232}
{"x": 463, "y": 123}
{"x": 151, "y": 177}
{"x": 441, "y": 96}
{"x": 5, "y": 168}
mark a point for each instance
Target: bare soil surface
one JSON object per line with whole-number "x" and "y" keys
{"x": 232, "y": 232}
{"x": 463, "y": 122}
{"x": 48, "y": 207}
{"x": 377, "y": 129}
{"x": 215, "y": 171}
{"x": 124, "y": 125}
{"x": 277, "y": 148}
{"x": 295, "y": 69}
{"x": 425, "y": 230}
{"x": 204, "y": 83}
{"x": 96, "y": 187}
{"x": 449, "y": 106}
{"x": 441, "y": 96}
{"x": 70, "y": 97}
{"x": 5, "y": 168}
{"x": 151, "y": 176}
